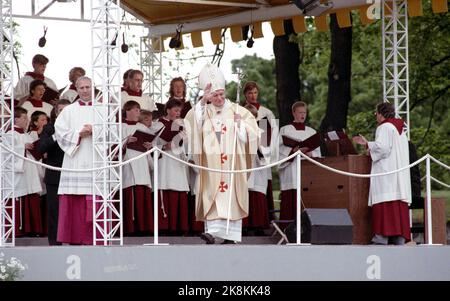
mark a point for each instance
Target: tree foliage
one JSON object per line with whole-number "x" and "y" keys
{"x": 261, "y": 71}
{"x": 429, "y": 65}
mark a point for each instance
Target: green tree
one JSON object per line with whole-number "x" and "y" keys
{"x": 261, "y": 71}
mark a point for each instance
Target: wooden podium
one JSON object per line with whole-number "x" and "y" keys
{"x": 325, "y": 189}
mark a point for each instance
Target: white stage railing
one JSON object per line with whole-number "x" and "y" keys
{"x": 156, "y": 151}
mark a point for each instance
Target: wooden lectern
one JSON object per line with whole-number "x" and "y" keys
{"x": 325, "y": 189}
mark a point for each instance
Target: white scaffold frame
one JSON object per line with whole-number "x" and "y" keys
{"x": 144, "y": 59}
{"x": 7, "y": 193}
{"x": 107, "y": 134}
{"x": 155, "y": 49}
{"x": 395, "y": 57}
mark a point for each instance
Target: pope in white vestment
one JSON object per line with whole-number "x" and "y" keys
{"x": 210, "y": 129}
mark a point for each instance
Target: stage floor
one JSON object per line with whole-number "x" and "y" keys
{"x": 193, "y": 261}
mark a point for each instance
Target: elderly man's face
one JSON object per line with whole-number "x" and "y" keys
{"x": 218, "y": 98}
{"x": 84, "y": 89}
{"x": 135, "y": 83}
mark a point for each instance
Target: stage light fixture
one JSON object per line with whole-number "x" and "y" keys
{"x": 175, "y": 42}
{"x": 313, "y": 7}
{"x": 250, "y": 41}
{"x": 43, "y": 40}
{"x": 124, "y": 46}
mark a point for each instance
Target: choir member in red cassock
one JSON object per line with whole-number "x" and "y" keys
{"x": 27, "y": 185}
{"x": 34, "y": 101}
{"x": 178, "y": 91}
{"x": 71, "y": 93}
{"x": 390, "y": 195}
{"x": 136, "y": 179}
{"x": 172, "y": 175}
{"x": 22, "y": 88}
{"x": 134, "y": 91}
{"x": 297, "y": 131}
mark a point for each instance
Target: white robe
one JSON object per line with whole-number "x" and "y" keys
{"x": 144, "y": 101}
{"x": 258, "y": 180}
{"x": 78, "y": 153}
{"x": 264, "y": 112}
{"x": 70, "y": 95}
{"x": 22, "y": 88}
{"x": 46, "y": 108}
{"x": 172, "y": 175}
{"x": 26, "y": 174}
{"x": 288, "y": 170}
{"x": 389, "y": 152}
{"x": 138, "y": 171}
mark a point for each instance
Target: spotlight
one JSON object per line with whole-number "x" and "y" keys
{"x": 42, "y": 40}
{"x": 313, "y": 7}
{"x": 250, "y": 42}
{"x": 175, "y": 42}
{"x": 114, "y": 41}
{"x": 124, "y": 46}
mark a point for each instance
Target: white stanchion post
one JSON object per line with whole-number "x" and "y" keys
{"x": 299, "y": 203}
{"x": 298, "y": 200}
{"x": 155, "y": 196}
{"x": 155, "y": 200}
{"x": 428, "y": 204}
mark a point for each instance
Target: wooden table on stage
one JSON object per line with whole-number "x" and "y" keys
{"x": 325, "y": 189}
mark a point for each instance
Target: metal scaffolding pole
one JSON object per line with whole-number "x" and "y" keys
{"x": 395, "y": 57}
{"x": 107, "y": 134}
{"x": 144, "y": 56}
{"x": 7, "y": 210}
{"x": 155, "y": 49}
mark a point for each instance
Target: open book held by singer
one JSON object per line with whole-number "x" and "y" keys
{"x": 142, "y": 137}
{"x": 311, "y": 143}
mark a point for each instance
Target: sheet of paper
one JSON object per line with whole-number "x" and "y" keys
{"x": 333, "y": 135}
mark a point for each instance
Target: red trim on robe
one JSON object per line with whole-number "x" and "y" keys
{"x": 37, "y": 103}
{"x": 299, "y": 126}
{"x": 130, "y": 122}
{"x": 391, "y": 219}
{"x": 258, "y": 214}
{"x": 270, "y": 201}
{"x": 19, "y": 130}
{"x": 137, "y": 209}
{"x": 82, "y": 103}
{"x": 195, "y": 226}
{"x": 288, "y": 205}
{"x": 176, "y": 209}
{"x": 75, "y": 222}
{"x": 131, "y": 92}
{"x": 28, "y": 215}
{"x": 397, "y": 122}
{"x": 35, "y": 75}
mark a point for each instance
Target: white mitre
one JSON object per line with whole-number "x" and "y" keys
{"x": 211, "y": 74}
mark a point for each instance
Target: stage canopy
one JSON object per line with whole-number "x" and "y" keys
{"x": 199, "y": 16}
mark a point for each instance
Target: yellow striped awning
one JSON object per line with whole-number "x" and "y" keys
{"x": 167, "y": 12}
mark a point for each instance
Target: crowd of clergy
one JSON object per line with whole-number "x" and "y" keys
{"x": 55, "y": 127}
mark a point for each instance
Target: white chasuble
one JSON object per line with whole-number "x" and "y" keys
{"x": 211, "y": 135}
